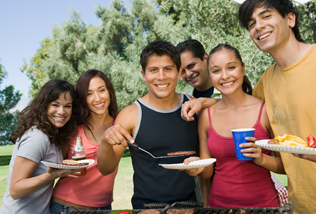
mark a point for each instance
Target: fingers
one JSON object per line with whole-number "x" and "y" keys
{"x": 117, "y": 135}
{"x": 59, "y": 173}
{"x": 251, "y": 139}
{"x": 307, "y": 157}
{"x": 190, "y": 159}
{"x": 192, "y": 172}
{"x": 187, "y": 112}
{"x": 192, "y": 97}
{"x": 251, "y": 150}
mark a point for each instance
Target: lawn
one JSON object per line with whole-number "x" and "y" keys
{"x": 123, "y": 186}
{"x": 6, "y": 150}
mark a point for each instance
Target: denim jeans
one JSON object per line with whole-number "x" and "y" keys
{"x": 56, "y": 208}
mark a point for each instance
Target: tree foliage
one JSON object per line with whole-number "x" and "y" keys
{"x": 34, "y": 71}
{"x": 8, "y": 100}
{"x": 115, "y": 45}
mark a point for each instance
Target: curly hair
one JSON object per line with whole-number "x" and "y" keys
{"x": 35, "y": 114}
{"x": 82, "y": 88}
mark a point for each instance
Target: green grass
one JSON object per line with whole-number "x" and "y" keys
{"x": 6, "y": 150}
{"x": 123, "y": 186}
{"x": 281, "y": 178}
{"x": 3, "y": 180}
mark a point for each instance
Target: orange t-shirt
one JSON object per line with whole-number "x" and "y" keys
{"x": 93, "y": 189}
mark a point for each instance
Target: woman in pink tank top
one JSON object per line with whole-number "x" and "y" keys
{"x": 235, "y": 183}
{"x": 97, "y": 111}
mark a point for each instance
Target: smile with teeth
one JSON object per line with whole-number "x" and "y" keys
{"x": 98, "y": 106}
{"x": 264, "y": 36}
{"x": 59, "y": 118}
{"x": 228, "y": 84}
{"x": 193, "y": 79}
{"x": 162, "y": 86}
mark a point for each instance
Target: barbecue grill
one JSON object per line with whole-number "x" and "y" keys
{"x": 163, "y": 207}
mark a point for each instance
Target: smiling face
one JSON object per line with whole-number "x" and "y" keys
{"x": 98, "y": 97}
{"x": 195, "y": 71}
{"x": 161, "y": 76}
{"x": 226, "y": 71}
{"x": 59, "y": 111}
{"x": 268, "y": 30}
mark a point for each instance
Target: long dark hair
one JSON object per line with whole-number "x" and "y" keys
{"x": 82, "y": 88}
{"x": 35, "y": 114}
{"x": 246, "y": 85}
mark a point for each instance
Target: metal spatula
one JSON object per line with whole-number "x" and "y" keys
{"x": 137, "y": 147}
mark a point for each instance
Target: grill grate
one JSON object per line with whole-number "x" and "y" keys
{"x": 286, "y": 209}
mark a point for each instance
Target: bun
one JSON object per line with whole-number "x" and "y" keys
{"x": 68, "y": 161}
{"x": 291, "y": 140}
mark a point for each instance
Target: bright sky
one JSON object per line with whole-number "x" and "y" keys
{"x": 24, "y": 23}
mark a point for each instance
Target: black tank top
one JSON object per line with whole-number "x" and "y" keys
{"x": 160, "y": 132}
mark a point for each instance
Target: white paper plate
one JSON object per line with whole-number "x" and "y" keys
{"x": 286, "y": 148}
{"x": 192, "y": 165}
{"x": 60, "y": 166}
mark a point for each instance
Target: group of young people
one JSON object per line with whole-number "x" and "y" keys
{"x": 164, "y": 121}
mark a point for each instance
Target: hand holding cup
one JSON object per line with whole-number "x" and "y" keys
{"x": 239, "y": 136}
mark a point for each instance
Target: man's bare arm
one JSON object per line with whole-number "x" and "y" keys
{"x": 114, "y": 138}
{"x": 189, "y": 108}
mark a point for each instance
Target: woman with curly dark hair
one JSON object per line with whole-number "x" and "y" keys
{"x": 98, "y": 109}
{"x": 45, "y": 126}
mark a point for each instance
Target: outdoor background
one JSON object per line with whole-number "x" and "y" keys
{"x": 42, "y": 40}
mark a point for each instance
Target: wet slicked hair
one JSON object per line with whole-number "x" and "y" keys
{"x": 194, "y": 46}
{"x": 160, "y": 48}
{"x": 284, "y": 7}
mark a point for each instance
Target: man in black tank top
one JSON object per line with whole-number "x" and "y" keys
{"x": 154, "y": 123}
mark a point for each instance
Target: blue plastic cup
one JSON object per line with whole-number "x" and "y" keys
{"x": 239, "y": 136}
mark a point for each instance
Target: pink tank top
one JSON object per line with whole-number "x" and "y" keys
{"x": 239, "y": 183}
{"x": 93, "y": 189}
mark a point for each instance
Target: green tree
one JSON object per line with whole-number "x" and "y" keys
{"x": 8, "y": 100}
{"x": 115, "y": 45}
{"x": 34, "y": 71}
{"x": 216, "y": 21}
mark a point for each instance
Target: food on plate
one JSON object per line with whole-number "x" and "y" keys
{"x": 311, "y": 141}
{"x": 68, "y": 162}
{"x": 180, "y": 153}
{"x": 180, "y": 211}
{"x": 149, "y": 211}
{"x": 120, "y": 212}
{"x": 273, "y": 141}
{"x": 290, "y": 140}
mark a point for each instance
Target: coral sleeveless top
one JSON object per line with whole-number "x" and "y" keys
{"x": 239, "y": 183}
{"x": 93, "y": 189}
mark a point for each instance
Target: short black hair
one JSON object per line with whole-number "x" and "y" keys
{"x": 192, "y": 45}
{"x": 160, "y": 48}
{"x": 284, "y": 7}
